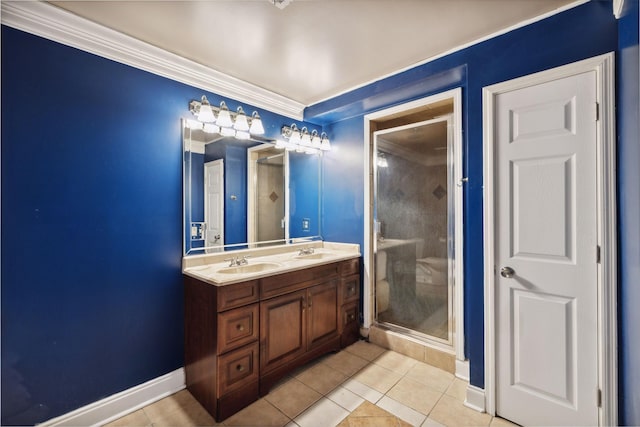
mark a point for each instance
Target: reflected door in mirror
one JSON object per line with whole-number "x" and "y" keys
{"x": 214, "y": 204}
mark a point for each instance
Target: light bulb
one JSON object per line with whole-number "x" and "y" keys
{"x": 242, "y": 134}
{"x": 305, "y": 139}
{"x": 382, "y": 161}
{"x": 194, "y": 124}
{"x": 241, "y": 122}
{"x": 256, "y": 124}
{"x": 315, "y": 139}
{"x": 224, "y": 117}
{"x": 227, "y": 132}
{"x": 326, "y": 144}
{"x": 206, "y": 113}
{"x": 211, "y": 128}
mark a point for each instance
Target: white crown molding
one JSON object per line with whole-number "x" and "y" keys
{"x": 55, "y": 24}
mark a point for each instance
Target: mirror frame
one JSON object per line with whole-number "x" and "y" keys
{"x": 187, "y": 196}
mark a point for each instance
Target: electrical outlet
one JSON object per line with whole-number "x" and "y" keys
{"x": 306, "y": 224}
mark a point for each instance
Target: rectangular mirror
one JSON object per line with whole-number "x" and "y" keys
{"x": 241, "y": 194}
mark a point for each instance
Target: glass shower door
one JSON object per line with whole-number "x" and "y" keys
{"x": 414, "y": 229}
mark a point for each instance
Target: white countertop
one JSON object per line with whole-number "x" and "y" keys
{"x": 211, "y": 268}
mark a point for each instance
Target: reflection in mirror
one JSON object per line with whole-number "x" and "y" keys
{"x": 246, "y": 193}
{"x": 268, "y": 168}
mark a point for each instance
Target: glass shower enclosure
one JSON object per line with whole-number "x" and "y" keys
{"x": 414, "y": 225}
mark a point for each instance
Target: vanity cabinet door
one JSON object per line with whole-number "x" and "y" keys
{"x": 282, "y": 329}
{"x": 322, "y": 305}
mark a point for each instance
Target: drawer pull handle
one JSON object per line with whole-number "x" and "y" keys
{"x": 239, "y": 368}
{"x": 240, "y": 327}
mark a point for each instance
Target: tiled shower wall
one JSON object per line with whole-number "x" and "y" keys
{"x": 412, "y": 203}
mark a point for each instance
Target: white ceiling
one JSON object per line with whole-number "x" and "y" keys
{"x": 312, "y": 49}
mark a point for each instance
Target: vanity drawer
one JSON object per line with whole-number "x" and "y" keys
{"x": 238, "y": 327}
{"x": 288, "y": 282}
{"x": 349, "y": 315}
{"x": 237, "y": 369}
{"x": 351, "y": 266}
{"x": 349, "y": 322}
{"x": 238, "y": 294}
{"x": 350, "y": 288}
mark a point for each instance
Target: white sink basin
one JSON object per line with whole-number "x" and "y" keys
{"x": 249, "y": 268}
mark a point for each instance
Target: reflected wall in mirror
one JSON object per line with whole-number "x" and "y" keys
{"x": 246, "y": 193}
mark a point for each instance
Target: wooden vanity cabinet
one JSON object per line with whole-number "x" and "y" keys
{"x": 240, "y": 339}
{"x": 221, "y": 345}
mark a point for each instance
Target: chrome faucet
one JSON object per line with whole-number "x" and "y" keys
{"x": 233, "y": 262}
{"x": 306, "y": 251}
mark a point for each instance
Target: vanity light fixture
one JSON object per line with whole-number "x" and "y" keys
{"x": 303, "y": 141}
{"x": 220, "y": 120}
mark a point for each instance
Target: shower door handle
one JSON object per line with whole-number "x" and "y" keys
{"x": 507, "y": 272}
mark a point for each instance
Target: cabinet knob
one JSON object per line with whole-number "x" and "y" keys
{"x": 240, "y": 327}
{"x": 239, "y": 368}
{"x": 351, "y": 317}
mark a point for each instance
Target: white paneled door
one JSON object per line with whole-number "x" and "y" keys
{"x": 214, "y": 204}
{"x": 546, "y": 253}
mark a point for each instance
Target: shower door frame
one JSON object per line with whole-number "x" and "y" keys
{"x": 451, "y": 230}
{"x": 369, "y": 207}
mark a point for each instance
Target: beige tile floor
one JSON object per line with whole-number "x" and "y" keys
{"x": 363, "y": 385}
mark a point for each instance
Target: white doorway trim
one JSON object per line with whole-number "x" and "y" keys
{"x": 368, "y": 273}
{"x": 603, "y": 66}
{"x": 252, "y": 185}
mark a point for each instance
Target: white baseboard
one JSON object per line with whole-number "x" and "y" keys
{"x": 120, "y": 404}
{"x": 475, "y": 398}
{"x": 462, "y": 369}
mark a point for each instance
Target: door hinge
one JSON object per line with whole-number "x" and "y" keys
{"x": 599, "y": 398}
{"x": 598, "y": 251}
{"x": 597, "y": 111}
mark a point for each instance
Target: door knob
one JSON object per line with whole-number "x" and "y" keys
{"x": 507, "y": 272}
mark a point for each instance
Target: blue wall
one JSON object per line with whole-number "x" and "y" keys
{"x": 582, "y": 32}
{"x": 629, "y": 213}
{"x": 91, "y": 226}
